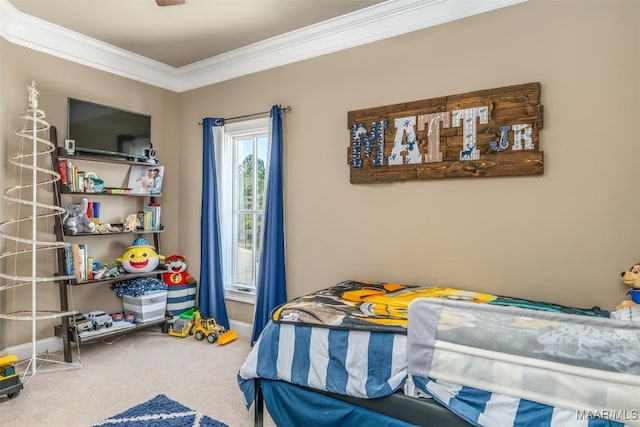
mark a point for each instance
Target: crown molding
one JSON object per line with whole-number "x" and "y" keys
{"x": 34, "y": 33}
{"x": 388, "y": 19}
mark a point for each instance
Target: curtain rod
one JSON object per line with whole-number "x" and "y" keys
{"x": 286, "y": 109}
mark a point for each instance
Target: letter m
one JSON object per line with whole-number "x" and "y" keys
{"x": 368, "y": 144}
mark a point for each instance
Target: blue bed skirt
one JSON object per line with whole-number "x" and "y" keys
{"x": 290, "y": 405}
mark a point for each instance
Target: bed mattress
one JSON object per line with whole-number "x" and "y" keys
{"x": 351, "y": 340}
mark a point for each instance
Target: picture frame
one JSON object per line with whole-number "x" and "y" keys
{"x": 146, "y": 179}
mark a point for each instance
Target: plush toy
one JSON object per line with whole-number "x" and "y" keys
{"x": 140, "y": 257}
{"x": 630, "y": 278}
{"x": 75, "y": 219}
{"x": 131, "y": 223}
{"x": 177, "y": 266}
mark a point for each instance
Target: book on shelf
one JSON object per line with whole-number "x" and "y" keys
{"x": 62, "y": 170}
{"x": 83, "y": 262}
{"x": 68, "y": 261}
{"x": 76, "y": 264}
{"x": 79, "y": 181}
{"x": 151, "y": 216}
{"x": 70, "y": 177}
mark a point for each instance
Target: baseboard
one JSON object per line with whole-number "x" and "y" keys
{"x": 242, "y": 328}
{"x": 24, "y": 351}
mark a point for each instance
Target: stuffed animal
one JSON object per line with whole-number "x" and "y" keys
{"x": 75, "y": 219}
{"x": 140, "y": 257}
{"x": 131, "y": 223}
{"x": 177, "y": 266}
{"x": 630, "y": 278}
{"x": 624, "y": 304}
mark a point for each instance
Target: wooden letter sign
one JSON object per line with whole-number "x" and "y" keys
{"x": 492, "y": 132}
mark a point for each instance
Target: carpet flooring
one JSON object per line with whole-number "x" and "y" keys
{"x": 122, "y": 373}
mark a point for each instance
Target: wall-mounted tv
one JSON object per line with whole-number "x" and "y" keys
{"x": 104, "y": 130}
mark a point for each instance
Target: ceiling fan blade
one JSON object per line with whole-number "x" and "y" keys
{"x": 169, "y": 2}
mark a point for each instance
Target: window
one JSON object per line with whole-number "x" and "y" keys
{"x": 242, "y": 194}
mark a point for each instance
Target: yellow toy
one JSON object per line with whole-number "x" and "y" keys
{"x": 10, "y": 383}
{"x": 181, "y": 328}
{"x": 207, "y": 327}
{"x": 140, "y": 257}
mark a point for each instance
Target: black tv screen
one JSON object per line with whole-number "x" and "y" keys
{"x": 100, "y": 129}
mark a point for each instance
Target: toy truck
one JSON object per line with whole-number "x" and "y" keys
{"x": 10, "y": 383}
{"x": 181, "y": 328}
{"x": 207, "y": 327}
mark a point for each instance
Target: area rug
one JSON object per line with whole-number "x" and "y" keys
{"x": 160, "y": 412}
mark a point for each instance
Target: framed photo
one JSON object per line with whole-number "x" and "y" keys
{"x": 146, "y": 179}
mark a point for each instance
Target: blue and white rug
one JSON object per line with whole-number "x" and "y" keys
{"x": 160, "y": 412}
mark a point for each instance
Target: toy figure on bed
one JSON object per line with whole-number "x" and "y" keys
{"x": 627, "y": 309}
{"x": 631, "y": 278}
{"x": 177, "y": 266}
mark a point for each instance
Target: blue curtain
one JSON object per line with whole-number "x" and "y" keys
{"x": 272, "y": 280}
{"x": 211, "y": 293}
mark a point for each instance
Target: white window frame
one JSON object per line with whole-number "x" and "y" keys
{"x": 226, "y": 197}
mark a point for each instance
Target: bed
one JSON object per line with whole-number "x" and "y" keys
{"x": 388, "y": 354}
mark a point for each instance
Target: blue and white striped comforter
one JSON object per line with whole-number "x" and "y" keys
{"x": 375, "y": 364}
{"x": 356, "y": 363}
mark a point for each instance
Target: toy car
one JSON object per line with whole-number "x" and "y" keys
{"x": 80, "y": 322}
{"x": 10, "y": 383}
{"x": 100, "y": 319}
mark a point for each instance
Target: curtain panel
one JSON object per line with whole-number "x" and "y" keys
{"x": 211, "y": 292}
{"x": 272, "y": 280}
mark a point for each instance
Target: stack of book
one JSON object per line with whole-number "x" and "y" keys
{"x": 77, "y": 262}
{"x": 70, "y": 177}
{"x": 151, "y": 217}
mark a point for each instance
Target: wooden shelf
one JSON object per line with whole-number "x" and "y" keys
{"x": 65, "y": 191}
{"x": 101, "y": 158}
{"x": 140, "y": 231}
{"x": 110, "y": 332}
{"x": 117, "y": 278}
{"x": 65, "y": 330}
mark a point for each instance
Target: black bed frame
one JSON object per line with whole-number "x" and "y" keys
{"x": 418, "y": 411}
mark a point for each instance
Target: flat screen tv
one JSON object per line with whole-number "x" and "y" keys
{"x": 104, "y": 130}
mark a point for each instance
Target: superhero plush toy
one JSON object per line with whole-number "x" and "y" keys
{"x": 177, "y": 274}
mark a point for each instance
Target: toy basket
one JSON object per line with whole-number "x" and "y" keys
{"x": 146, "y": 308}
{"x": 181, "y": 298}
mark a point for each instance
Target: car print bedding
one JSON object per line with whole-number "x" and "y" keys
{"x": 351, "y": 339}
{"x": 378, "y": 306}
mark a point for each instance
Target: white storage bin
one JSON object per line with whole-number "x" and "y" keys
{"x": 146, "y": 308}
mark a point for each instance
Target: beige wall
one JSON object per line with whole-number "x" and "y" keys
{"x": 3, "y": 127}
{"x": 56, "y": 80}
{"x": 564, "y": 236}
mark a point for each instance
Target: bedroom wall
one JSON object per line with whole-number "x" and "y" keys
{"x": 3, "y": 150}
{"x": 56, "y": 80}
{"x": 564, "y": 236}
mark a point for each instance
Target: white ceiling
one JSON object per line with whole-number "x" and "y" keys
{"x": 182, "y": 34}
{"x": 203, "y": 42}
